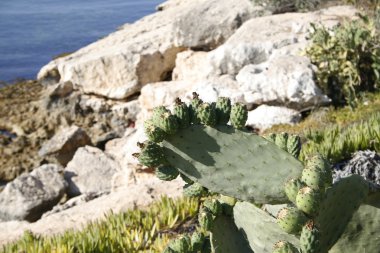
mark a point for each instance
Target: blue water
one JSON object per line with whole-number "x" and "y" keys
{"x": 32, "y": 32}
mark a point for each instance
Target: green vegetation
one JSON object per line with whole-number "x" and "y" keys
{"x": 348, "y": 59}
{"x": 133, "y": 231}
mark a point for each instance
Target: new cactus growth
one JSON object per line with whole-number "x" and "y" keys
{"x": 206, "y": 219}
{"x": 239, "y": 115}
{"x": 293, "y": 145}
{"x": 310, "y": 238}
{"x": 166, "y": 172}
{"x": 197, "y": 240}
{"x": 317, "y": 162}
{"x": 153, "y": 132}
{"x": 193, "y": 108}
{"x": 207, "y": 114}
{"x": 282, "y": 141}
{"x": 182, "y": 113}
{"x": 291, "y": 220}
{"x": 214, "y": 206}
{"x": 151, "y": 155}
{"x": 181, "y": 244}
{"x": 285, "y": 247}
{"x": 314, "y": 177}
{"x": 223, "y": 110}
{"x": 194, "y": 190}
{"x": 292, "y": 188}
{"x": 308, "y": 200}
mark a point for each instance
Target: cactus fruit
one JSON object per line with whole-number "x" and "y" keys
{"x": 291, "y": 220}
{"x": 157, "y": 114}
{"x": 153, "y": 133}
{"x": 308, "y": 200}
{"x": 292, "y": 187}
{"x": 181, "y": 244}
{"x": 168, "y": 123}
{"x": 166, "y": 172}
{"x": 293, "y": 145}
{"x": 151, "y": 154}
{"x": 193, "y": 108}
{"x": 317, "y": 161}
{"x": 239, "y": 115}
{"x": 194, "y": 190}
{"x": 214, "y": 206}
{"x": 206, "y": 219}
{"x": 207, "y": 114}
{"x": 314, "y": 177}
{"x": 223, "y": 110}
{"x": 310, "y": 238}
{"x": 197, "y": 240}
{"x": 182, "y": 113}
{"x": 285, "y": 247}
{"x": 282, "y": 141}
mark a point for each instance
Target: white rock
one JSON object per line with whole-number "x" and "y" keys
{"x": 135, "y": 196}
{"x": 192, "y": 66}
{"x": 285, "y": 80}
{"x": 31, "y": 194}
{"x": 90, "y": 171}
{"x": 266, "y": 116}
{"x": 64, "y": 144}
{"x": 144, "y": 52}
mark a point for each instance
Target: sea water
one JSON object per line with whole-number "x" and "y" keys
{"x": 32, "y": 32}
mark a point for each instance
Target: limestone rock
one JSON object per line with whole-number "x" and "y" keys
{"x": 90, "y": 171}
{"x": 64, "y": 144}
{"x": 144, "y": 52}
{"x": 30, "y": 195}
{"x": 192, "y": 66}
{"x": 138, "y": 195}
{"x": 266, "y": 116}
{"x": 285, "y": 80}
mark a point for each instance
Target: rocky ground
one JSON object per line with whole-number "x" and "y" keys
{"x": 84, "y": 115}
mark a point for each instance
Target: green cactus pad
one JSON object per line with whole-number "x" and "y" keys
{"x": 197, "y": 240}
{"x": 166, "y": 172}
{"x": 223, "y": 110}
{"x": 207, "y": 114}
{"x": 282, "y": 141}
{"x": 194, "y": 190}
{"x": 232, "y": 162}
{"x": 214, "y": 206}
{"x": 284, "y": 247}
{"x": 153, "y": 132}
{"x": 168, "y": 123}
{"x": 293, "y": 145}
{"x": 239, "y": 115}
{"x": 151, "y": 155}
{"x": 308, "y": 200}
{"x": 182, "y": 113}
{"x": 260, "y": 228}
{"x": 310, "y": 238}
{"x": 292, "y": 187}
{"x": 181, "y": 244}
{"x": 206, "y": 219}
{"x": 340, "y": 203}
{"x": 291, "y": 220}
{"x": 226, "y": 238}
{"x": 360, "y": 233}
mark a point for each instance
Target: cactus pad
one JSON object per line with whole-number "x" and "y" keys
{"x": 291, "y": 220}
{"x": 292, "y": 187}
{"x": 308, "y": 200}
{"x": 260, "y": 228}
{"x": 310, "y": 238}
{"x": 230, "y": 162}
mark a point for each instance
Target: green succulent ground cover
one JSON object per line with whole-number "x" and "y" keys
{"x": 133, "y": 231}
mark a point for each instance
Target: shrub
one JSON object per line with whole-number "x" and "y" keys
{"x": 348, "y": 59}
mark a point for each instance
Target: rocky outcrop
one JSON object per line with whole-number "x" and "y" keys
{"x": 144, "y": 52}
{"x": 90, "y": 171}
{"x": 30, "y": 195}
{"x": 64, "y": 144}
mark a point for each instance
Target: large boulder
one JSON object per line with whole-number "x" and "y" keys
{"x": 64, "y": 144}
{"x": 90, "y": 171}
{"x": 144, "y": 52}
{"x": 30, "y": 195}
